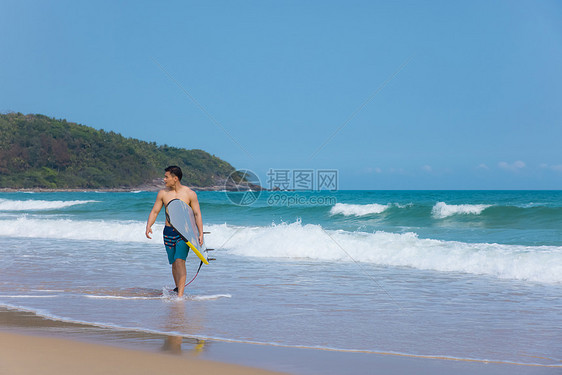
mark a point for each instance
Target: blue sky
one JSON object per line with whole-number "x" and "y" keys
{"x": 393, "y": 95}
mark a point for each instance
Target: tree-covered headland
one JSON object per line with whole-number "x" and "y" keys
{"x": 37, "y": 151}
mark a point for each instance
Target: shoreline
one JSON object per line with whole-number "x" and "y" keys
{"x": 151, "y": 186}
{"x": 143, "y": 188}
{"x": 30, "y": 330}
{"x": 106, "y": 190}
{"x": 135, "y": 352}
{"x": 156, "y": 188}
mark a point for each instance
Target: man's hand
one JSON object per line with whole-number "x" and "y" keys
{"x": 201, "y": 239}
{"x": 154, "y": 213}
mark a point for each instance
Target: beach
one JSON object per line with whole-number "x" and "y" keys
{"x": 363, "y": 282}
{"x": 33, "y": 345}
{"x": 55, "y": 356}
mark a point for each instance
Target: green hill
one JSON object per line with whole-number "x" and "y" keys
{"x": 37, "y": 151}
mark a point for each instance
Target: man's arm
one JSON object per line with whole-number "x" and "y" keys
{"x": 154, "y": 213}
{"x": 197, "y": 213}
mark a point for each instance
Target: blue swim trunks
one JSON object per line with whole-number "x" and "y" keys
{"x": 175, "y": 245}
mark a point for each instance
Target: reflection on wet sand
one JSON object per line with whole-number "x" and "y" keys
{"x": 179, "y": 322}
{"x": 173, "y": 345}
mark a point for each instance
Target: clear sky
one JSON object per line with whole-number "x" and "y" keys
{"x": 392, "y": 94}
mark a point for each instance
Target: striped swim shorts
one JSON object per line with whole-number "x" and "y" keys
{"x": 175, "y": 245}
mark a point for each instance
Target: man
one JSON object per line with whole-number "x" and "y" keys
{"x": 175, "y": 247}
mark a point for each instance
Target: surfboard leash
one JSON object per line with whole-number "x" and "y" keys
{"x": 200, "y": 265}
{"x": 196, "y": 273}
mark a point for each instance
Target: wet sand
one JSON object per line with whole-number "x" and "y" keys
{"x": 30, "y": 344}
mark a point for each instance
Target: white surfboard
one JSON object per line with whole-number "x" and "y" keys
{"x": 181, "y": 217}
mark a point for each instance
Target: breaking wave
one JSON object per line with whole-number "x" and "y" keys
{"x": 311, "y": 241}
{"x": 38, "y": 205}
{"x": 442, "y": 210}
{"x": 102, "y": 230}
{"x": 358, "y": 209}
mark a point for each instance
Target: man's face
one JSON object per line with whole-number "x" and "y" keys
{"x": 169, "y": 179}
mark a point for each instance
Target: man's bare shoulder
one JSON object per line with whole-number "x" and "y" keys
{"x": 165, "y": 195}
{"x": 189, "y": 191}
{"x": 188, "y": 195}
{"x": 162, "y": 193}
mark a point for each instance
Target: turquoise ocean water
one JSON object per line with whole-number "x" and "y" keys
{"x": 462, "y": 274}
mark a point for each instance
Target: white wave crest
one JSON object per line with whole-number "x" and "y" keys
{"x": 37, "y": 205}
{"x": 210, "y": 297}
{"x": 442, "y": 210}
{"x": 121, "y": 297}
{"x": 103, "y": 230}
{"x": 358, "y": 209}
{"x": 27, "y": 296}
{"x": 297, "y": 241}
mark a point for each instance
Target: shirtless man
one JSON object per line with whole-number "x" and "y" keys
{"x": 175, "y": 247}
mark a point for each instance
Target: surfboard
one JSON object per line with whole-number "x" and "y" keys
{"x": 181, "y": 217}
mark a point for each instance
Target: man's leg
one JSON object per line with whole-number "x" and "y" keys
{"x": 180, "y": 275}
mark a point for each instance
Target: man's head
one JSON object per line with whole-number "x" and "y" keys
{"x": 174, "y": 170}
{"x": 171, "y": 172}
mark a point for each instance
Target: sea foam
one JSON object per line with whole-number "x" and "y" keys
{"x": 442, "y": 210}
{"x": 311, "y": 241}
{"x": 103, "y": 230}
{"x": 38, "y": 205}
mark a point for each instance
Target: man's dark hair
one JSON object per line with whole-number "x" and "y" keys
{"x": 175, "y": 170}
